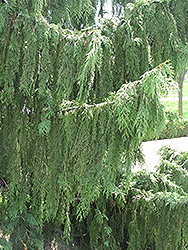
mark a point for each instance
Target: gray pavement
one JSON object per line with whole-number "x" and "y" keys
{"x": 151, "y": 148}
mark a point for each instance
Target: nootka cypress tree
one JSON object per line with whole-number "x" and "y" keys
{"x": 77, "y": 99}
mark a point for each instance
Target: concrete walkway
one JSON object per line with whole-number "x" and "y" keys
{"x": 151, "y": 148}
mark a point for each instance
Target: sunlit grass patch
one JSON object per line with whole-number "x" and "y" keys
{"x": 173, "y": 107}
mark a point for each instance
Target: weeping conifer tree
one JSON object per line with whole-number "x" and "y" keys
{"x": 75, "y": 107}
{"x": 166, "y": 25}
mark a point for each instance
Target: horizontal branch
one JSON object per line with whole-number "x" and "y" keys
{"x": 86, "y": 106}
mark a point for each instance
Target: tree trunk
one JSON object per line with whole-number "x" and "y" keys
{"x": 180, "y": 80}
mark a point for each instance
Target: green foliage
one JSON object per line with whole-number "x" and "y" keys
{"x": 5, "y": 245}
{"x": 179, "y": 8}
{"x": 159, "y": 202}
{"x": 175, "y": 164}
{"x": 165, "y": 25}
{"x": 131, "y": 50}
{"x": 153, "y": 217}
{"x": 174, "y": 127}
{"x": 75, "y": 107}
{"x": 71, "y": 14}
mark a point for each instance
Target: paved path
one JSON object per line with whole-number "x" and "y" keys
{"x": 151, "y": 148}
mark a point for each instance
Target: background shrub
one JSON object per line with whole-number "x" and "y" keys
{"x": 175, "y": 127}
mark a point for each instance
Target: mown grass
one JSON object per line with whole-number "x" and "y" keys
{"x": 172, "y": 105}
{"x": 185, "y": 88}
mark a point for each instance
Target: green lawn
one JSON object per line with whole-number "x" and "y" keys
{"x": 185, "y": 88}
{"x": 173, "y": 105}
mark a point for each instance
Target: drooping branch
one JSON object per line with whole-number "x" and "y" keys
{"x": 161, "y": 76}
{"x": 87, "y": 106}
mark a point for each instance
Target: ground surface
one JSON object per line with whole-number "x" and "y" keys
{"x": 151, "y": 148}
